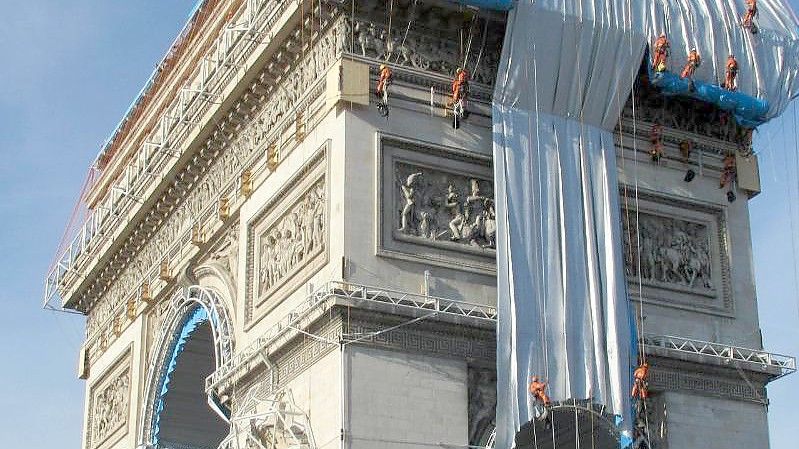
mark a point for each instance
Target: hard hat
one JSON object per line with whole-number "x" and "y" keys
{"x": 382, "y": 66}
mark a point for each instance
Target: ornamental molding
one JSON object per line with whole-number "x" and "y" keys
{"x": 109, "y": 404}
{"x": 713, "y": 130}
{"x": 198, "y": 197}
{"x": 287, "y": 238}
{"x": 684, "y": 247}
{"x": 293, "y": 81}
{"x": 748, "y": 389}
{"x": 435, "y": 205}
{"x": 183, "y": 302}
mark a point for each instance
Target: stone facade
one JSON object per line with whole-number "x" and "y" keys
{"x": 347, "y": 261}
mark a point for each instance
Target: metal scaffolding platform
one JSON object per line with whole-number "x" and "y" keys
{"x": 427, "y": 306}
{"x": 166, "y": 142}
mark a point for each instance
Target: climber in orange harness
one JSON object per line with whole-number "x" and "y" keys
{"x": 383, "y": 81}
{"x": 661, "y": 53}
{"x": 460, "y": 94}
{"x": 694, "y": 61}
{"x": 538, "y": 390}
{"x": 728, "y": 172}
{"x": 460, "y": 88}
{"x": 731, "y": 74}
{"x": 748, "y": 20}
{"x": 641, "y": 382}
{"x": 656, "y": 142}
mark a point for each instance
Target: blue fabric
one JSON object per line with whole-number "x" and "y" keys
{"x": 500, "y": 5}
{"x": 191, "y": 322}
{"x": 748, "y": 111}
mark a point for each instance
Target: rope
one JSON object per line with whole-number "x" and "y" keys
{"x": 482, "y": 47}
{"x": 389, "y": 46}
{"x": 411, "y": 16}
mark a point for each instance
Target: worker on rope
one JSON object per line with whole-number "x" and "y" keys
{"x": 460, "y": 94}
{"x": 661, "y": 53}
{"x": 731, "y": 74}
{"x": 686, "y": 148}
{"x": 384, "y": 80}
{"x": 729, "y": 172}
{"x": 656, "y": 142}
{"x": 748, "y": 20}
{"x": 694, "y": 61}
{"x": 641, "y": 382}
{"x": 538, "y": 390}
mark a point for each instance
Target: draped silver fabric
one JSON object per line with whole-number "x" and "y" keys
{"x": 566, "y": 71}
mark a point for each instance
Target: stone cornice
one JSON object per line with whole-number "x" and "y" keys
{"x": 214, "y": 16}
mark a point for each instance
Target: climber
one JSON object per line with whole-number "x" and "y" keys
{"x": 460, "y": 87}
{"x": 384, "y": 80}
{"x": 661, "y": 51}
{"x": 460, "y": 94}
{"x": 728, "y": 171}
{"x": 538, "y": 390}
{"x": 694, "y": 61}
{"x": 641, "y": 382}
{"x": 748, "y": 20}
{"x": 656, "y": 142}
{"x": 731, "y": 74}
{"x": 686, "y": 148}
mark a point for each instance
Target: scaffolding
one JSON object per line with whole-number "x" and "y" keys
{"x": 167, "y": 140}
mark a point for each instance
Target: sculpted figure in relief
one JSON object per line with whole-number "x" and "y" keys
{"x": 110, "y": 408}
{"x": 292, "y": 240}
{"x": 672, "y": 251}
{"x": 436, "y": 205}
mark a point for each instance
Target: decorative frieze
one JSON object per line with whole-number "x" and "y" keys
{"x": 675, "y": 253}
{"x": 687, "y": 382}
{"x": 200, "y": 198}
{"x": 109, "y": 401}
{"x": 294, "y": 239}
{"x": 438, "y": 51}
{"x": 436, "y": 205}
{"x": 287, "y": 239}
{"x": 687, "y": 115}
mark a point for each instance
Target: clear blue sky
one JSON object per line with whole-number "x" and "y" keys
{"x": 69, "y": 71}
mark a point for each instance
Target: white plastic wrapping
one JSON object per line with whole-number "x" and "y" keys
{"x": 566, "y": 71}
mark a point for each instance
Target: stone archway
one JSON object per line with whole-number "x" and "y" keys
{"x": 195, "y": 339}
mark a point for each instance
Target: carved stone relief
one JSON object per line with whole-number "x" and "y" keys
{"x": 438, "y": 51}
{"x": 297, "y": 237}
{"x": 675, "y": 254}
{"x": 686, "y": 115}
{"x": 436, "y": 206}
{"x": 227, "y": 252}
{"x": 482, "y": 404}
{"x": 672, "y": 252}
{"x": 109, "y": 405}
{"x": 251, "y": 139}
{"x": 287, "y": 239}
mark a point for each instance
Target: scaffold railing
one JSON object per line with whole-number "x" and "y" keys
{"x": 785, "y": 364}
{"x": 164, "y": 145}
{"x": 288, "y": 326}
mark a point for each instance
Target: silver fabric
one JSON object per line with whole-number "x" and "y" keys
{"x": 566, "y": 71}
